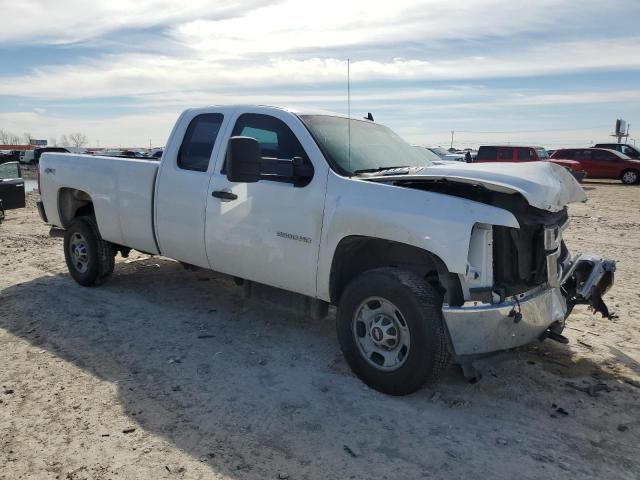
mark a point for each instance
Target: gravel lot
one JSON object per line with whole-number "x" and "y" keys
{"x": 165, "y": 373}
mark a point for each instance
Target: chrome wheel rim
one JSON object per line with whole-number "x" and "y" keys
{"x": 630, "y": 177}
{"x": 79, "y": 252}
{"x": 381, "y": 333}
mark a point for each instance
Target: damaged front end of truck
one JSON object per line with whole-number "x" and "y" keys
{"x": 521, "y": 283}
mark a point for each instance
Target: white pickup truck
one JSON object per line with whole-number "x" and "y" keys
{"x": 424, "y": 262}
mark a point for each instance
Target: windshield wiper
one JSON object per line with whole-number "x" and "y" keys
{"x": 378, "y": 169}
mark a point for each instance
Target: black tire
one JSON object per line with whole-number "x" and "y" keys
{"x": 630, "y": 177}
{"x": 420, "y": 308}
{"x": 98, "y": 261}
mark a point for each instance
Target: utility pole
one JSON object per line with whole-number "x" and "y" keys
{"x": 452, "y": 132}
{"x": 149, "y": 144}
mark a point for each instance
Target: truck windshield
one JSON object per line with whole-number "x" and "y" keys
{"x": 373, "y": 146}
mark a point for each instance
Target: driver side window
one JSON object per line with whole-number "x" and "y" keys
{"x": 278, "y": 148}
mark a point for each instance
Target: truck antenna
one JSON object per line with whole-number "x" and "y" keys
{"x": 349, "y": 113}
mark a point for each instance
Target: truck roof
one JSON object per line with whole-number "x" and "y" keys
{"x": 266, "y": 108}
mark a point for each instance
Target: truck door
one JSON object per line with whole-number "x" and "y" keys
{"x": 11, "y": 186}
{"x": 269, "y": 231}
{"x": 182, "y": 186}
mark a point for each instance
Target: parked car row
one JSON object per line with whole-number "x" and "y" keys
{"x": 9, "y": 156}
{"x": 603, "y": 163}
{"x": 512, "y": 153}
{"x": 32, "y": 157}
{"x": 605, "y": 160}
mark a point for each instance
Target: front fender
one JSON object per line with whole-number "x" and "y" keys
{"x": 438, "y": 223}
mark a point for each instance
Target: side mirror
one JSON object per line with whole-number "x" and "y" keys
{"x": 243, "y": 162}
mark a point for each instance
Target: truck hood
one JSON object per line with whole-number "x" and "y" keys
{"x": 544, "y": 185}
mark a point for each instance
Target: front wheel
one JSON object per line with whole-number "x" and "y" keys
{"x": 630, "y": 177}
{"x": 391, "y": 330}
{"x": 89, "y": 258}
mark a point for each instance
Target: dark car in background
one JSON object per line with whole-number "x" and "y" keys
{"x": 515, "y": 153}
{"x": 37, "y": 152}
{"x": 9, "y": 156}
{"x": 630, "y": 151}
{"x": 603, "y": 163}
{"x": 11, "y": 187}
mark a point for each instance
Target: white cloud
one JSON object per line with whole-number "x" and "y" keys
{"x": 139, "y": 75}
{"x": 66, "y": 21}
{"x": 295, "y": 25}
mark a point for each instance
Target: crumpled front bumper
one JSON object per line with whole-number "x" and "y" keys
{"x": 477, "y": 328}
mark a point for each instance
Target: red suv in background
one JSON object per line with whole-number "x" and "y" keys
{"x": 512, "y": 153}
{"x": 603, "y": 163}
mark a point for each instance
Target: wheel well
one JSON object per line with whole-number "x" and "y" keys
{"x": 355, "y": 255}
{"x": 73, "y": 203}
{"x": 629, "y": 169}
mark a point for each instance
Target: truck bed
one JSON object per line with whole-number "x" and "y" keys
{"x": 121, "y": 190}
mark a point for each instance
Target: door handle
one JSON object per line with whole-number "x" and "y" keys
{"x": 224, "y": 195}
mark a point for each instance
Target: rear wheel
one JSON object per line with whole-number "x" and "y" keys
{"x": 630, "y": 177}
{"x": 391, "y": 330}
{"x": 89, "y": 258}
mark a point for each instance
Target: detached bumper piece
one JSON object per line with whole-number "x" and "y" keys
{"x": 484, "y": 328}
{"x": 478, "y": 328}
{"x": 586, "y": 280}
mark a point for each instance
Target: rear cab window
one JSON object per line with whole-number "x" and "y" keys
{"x": 198, "y": 142}
{"x": 487, "y": 154}
{"x": 525, "y": 155}
{"x": 505, "y": 154}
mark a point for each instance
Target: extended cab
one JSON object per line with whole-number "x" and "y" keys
{"x": 603, "y": 163}
{"x": 512, "y": 153}
{"x": 424, "y": 262}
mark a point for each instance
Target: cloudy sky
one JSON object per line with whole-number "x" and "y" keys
{"x": 550, "y": 72}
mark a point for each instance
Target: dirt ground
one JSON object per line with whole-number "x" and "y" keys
{"x": 165, "y": 373}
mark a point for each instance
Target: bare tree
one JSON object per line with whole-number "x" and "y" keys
{"x": 78, "y": 139}
{"x": 8, "y": 138}
{"x": 26, "y": 138}
{"x": 53, "y": 142}
{"x": 64, "y": 141}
